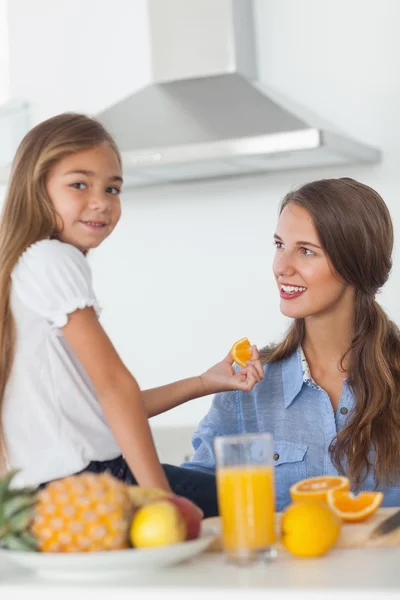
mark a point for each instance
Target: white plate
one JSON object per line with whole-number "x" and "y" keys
{"x": 106, "y": 565}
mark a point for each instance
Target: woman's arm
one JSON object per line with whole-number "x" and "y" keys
{"x": 119, "y": 396}
{"x": 221, "y": 377}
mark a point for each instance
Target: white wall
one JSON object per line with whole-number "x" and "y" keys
{"x": 4, "y": 79}
{"x": 79, "y": 55}
{"x": 188, "y": 270}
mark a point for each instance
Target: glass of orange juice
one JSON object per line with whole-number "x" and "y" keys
{"x": 246, "y": 496}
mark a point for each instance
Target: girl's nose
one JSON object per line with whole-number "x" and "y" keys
{"x": 99, "y": 201}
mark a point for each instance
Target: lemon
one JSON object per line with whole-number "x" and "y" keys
{"x": 309, "y": 528}
{"x": 159, "y": 523}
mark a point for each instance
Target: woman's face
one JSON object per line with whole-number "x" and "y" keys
{"x": 307, "y": 282}
{"x": 85, "y": 190}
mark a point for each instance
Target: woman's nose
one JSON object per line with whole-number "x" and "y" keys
{"x": 283, "y": 264}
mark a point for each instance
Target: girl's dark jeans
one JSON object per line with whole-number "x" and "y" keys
{"x": 198, "y": 486}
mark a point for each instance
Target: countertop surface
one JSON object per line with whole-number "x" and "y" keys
{"x": 366, "y": 569}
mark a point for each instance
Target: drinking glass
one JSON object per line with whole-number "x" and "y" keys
{"x": 246, "y": 496}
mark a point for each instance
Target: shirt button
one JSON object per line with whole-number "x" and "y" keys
{"x": 344, "y": 410}
{"x": 276, "y": 456}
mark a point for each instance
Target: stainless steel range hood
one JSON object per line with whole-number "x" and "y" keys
{"x": 204, "y": 114}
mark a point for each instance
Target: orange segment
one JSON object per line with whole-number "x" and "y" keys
{"x": 353, "y": 508}
{"x": 317, "y": 488}
{"x": 241, "y": 352}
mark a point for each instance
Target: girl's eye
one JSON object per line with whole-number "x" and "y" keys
{"x": 113, "y": 190}
{"x": 306, "y": 251}
{"x": 278, "y": 244}
{"x": 79, "y": 185}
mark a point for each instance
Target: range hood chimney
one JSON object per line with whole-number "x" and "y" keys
{"x": 204, "y": 114}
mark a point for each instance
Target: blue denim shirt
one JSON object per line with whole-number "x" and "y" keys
{"x": 297, "y": 413}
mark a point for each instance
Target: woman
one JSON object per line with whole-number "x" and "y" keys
{"x": 331, "y": 389}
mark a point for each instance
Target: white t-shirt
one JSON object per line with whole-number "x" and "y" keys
{"x": 53, "y": 422}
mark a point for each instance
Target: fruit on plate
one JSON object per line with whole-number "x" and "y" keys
{"x": 16, "y": 513}
{"x": 316, "y": 488}
{"x": 354, "y": 508}
{"x": 309, "y": 529}
{"x": 169, "y": 520}
{"x": 241, "y": 352}
{"x": 190, "y": 515}
{"x": 82, "y": 513}
{"x": 142, "y": 495}
{"x": 158, "y": 523}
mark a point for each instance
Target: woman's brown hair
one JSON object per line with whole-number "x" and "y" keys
{"x": 28, "y": 215}
{"x": 356, "y": 232}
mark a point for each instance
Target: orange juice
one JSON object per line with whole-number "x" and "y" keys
{"x": 246, "y": 501}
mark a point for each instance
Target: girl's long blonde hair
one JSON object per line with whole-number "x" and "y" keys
{"x": 355, "y": 229}
{"x": 28, "y": 215}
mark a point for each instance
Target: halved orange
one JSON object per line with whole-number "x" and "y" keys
{"x": 241, "y": 352}
{"x": 317, "y": 488}
{"x": 353, "y": 508}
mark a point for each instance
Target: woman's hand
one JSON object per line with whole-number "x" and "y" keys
{"x": 223, "y": 377}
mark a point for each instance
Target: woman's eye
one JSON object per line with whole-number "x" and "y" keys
{"x": 113, "y": 190}
{"x": 278, "y": 244}
{"x": 306, "y": 251}
{"x": 79, "y": 185}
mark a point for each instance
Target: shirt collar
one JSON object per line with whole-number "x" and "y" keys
{"x": 296, "y": 372}
{"x": 307, "y": 377}
{"x": 293, "y": 380}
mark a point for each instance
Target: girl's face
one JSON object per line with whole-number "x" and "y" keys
{"x": 85, "y": 191}
{"x": 307, "y": 281}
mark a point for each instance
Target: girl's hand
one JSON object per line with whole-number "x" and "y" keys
{"x": 223, "y": 377}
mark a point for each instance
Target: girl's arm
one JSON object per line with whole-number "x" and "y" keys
{"x": 221, "y": 377}
{"x": 119, "y": 396}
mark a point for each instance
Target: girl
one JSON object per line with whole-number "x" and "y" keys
{"x": 331, "y": 390}
{"x": 68, "y": 403}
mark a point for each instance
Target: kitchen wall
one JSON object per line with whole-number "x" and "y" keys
{"x": 4, "y": 79}
{"x": 188, "y": 270}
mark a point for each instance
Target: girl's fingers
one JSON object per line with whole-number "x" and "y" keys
{"x": 251, "y": 377}
{"x": 255, "y": 362}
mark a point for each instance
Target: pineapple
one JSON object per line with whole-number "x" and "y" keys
{"x": 81, "y": 513}
{"x": 16, "y": 513}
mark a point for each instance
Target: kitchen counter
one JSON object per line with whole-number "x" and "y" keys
{"x": 365, "y": 573}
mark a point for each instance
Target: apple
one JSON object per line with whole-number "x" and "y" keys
{"x": 190, "y": 513}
